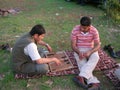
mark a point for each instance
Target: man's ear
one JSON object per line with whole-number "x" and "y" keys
{"x": 35, "y": 35}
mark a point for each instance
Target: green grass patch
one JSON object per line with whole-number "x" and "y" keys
{"x": 58, "y": 17}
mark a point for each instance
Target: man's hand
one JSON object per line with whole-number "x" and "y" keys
{"x": 49, "y": 47}
{"x": 57, "y": 61}
{"x": 87, "y": 54}
{"x": 81, "y": 55}
{"x": 42, "y": 43}
{"x": 84, "y": 55}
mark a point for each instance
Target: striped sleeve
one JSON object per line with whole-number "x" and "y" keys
{"x": 96, "y": 36}
{"x": 73, "y": 35}
{"x": 74, "y": 32}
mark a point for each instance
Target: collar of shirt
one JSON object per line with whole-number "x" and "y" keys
{"x": 86, "y": 32}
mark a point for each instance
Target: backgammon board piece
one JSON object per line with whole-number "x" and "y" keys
{"x": 63, "y": 57}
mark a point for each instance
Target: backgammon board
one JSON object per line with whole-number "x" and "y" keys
{"x": 63, "y": 57}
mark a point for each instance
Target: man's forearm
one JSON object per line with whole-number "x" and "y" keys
{"x": 75, "y": 49}
{"x": 96, "y": 48}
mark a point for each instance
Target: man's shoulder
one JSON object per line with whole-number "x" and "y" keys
{"x": 31, "y": 46}
{"x": 93, "y": 29}
{"x": 76, "y": 28}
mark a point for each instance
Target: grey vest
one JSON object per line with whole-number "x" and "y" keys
{"x": 19, "y": 59}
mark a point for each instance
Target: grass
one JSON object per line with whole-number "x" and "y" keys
{"x": 58, "y": 17}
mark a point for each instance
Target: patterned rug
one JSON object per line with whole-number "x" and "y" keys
{"x": 112, "y": 76}
{"x": 105, "y": 64}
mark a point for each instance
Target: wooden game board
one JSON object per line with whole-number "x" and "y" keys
{"x": 63, "y": 57}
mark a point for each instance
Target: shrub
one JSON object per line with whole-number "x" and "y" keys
{"x": 112, "y": 9}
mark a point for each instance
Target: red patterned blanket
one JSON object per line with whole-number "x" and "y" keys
{"x": 112, "y": 76}
{"x": 105, "y": 64}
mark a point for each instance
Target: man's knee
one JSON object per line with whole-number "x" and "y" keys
{"x": 45, "y": 68}
{"x": 42, "y": 68}
{"x": 96, "y": 56}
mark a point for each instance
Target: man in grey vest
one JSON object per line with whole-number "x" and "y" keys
{"x": 27, "y": 58}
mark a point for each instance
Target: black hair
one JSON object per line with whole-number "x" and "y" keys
{"x": 37, "y": 29}
{"x": 85, "y": 21}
